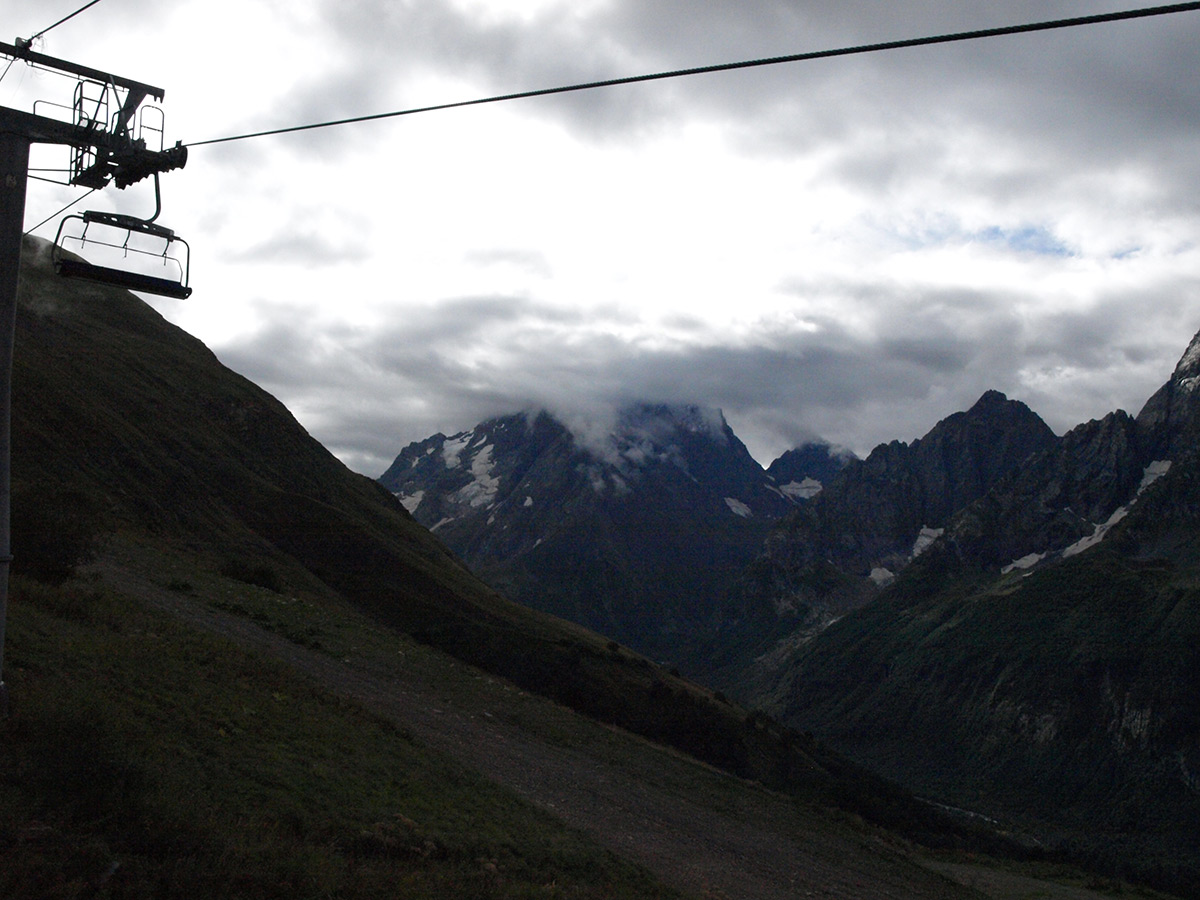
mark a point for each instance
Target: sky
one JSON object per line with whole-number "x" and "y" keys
{"x": 850, "y": 249}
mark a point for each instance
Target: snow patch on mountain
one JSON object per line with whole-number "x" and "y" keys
{"x": 738, "y": 508}
{"x": 1150, "y": 474}
{"x": 1028, "y": 561}
{"x": 882, "y": 576}
{"x": 412, "y": 501}
{"x": 1098, "y": 535}
{"x": 454, "y": 446}
{"x": 481, "y": 491}
{"x": 925, "y": 538}
{"x": 802, "y": 490}
{"x": 1153, "y": 472}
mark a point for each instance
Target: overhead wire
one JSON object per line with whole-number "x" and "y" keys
{"x": 74, "y": 202}
{"x": 44, "y": 31}
{"x": 1028, "y": 28}
{"x": 83, "y": 8}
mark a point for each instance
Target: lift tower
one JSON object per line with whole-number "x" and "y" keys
{"x": 106, "y": 146}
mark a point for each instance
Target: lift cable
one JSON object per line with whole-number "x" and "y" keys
{"x": 74, "y": 202}
{"x": 746, "y": 64}
{"x": 86, "y": 6}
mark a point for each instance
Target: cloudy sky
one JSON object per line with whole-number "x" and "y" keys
{"x": 852, "y": 248}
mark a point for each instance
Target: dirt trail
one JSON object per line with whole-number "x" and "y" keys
{"x": 697, "y": 829}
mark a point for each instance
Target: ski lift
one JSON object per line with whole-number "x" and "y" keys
{"x": 137, "y": 247}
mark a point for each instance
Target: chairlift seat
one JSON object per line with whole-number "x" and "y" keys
{"x": 130, "y": 279}
{"x": 134, "y": 281}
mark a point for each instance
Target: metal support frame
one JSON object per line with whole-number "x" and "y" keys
{"x": 14, "y": 170}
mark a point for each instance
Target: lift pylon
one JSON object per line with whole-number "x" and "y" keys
{"x": 107, "y": 152}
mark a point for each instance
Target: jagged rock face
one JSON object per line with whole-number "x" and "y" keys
{"x": 448, "y": 483}
{"x": 878, "y": 513}
{"x": 1040, "y": 656}
{"x": 1169, "y": 421}
{"x": 1070, "y": 497}
{"x": 1059, "y": 498}
{"x": 634, "y": 530}
{"x": 874, "y": 517}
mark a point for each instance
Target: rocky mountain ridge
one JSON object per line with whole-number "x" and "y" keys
{"x": 1038, "y": 660}
{"x": 635, "y": 529}
{"x": 874, "y": 518}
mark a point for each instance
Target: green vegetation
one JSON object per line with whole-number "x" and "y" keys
{"x": 142, "y": 759}
{"x": 53, "y": 532}
{"x": 1064, "y": 701}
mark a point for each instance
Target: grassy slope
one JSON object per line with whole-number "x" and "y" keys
{"x": 119, "y": 412}
{"x": 146, "y": 759}
{"x": 1064, "y": 700}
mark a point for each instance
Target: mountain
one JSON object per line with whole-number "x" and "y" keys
{"x": 878, "y": 513}
{"x": 1038, "y": 661}
{"x": 634, "y": 530}
{"x": 874, "y": 517}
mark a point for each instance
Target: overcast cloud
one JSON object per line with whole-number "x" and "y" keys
{"x": 852, "y": 248}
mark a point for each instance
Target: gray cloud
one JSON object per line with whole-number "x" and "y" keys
{"x": 1095, "y": 123}
{"x": 306, "y": 248}
{"x": 1059, "y": 114}
{"x": 367, "y": 394}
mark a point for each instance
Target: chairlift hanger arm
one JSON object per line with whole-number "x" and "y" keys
{"x": 136, "y": 88}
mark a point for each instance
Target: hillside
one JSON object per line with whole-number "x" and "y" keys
{"x": 126, "y": 426}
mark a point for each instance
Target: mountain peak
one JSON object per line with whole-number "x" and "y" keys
{"x": 989, "y": 399}
{"x": 637, "y": 431}
{"x": 1168, "y": 420}
{"x": 803, "y": 471}
{"x": 1187, "y": 371}
{"x": 689, "y": 417}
